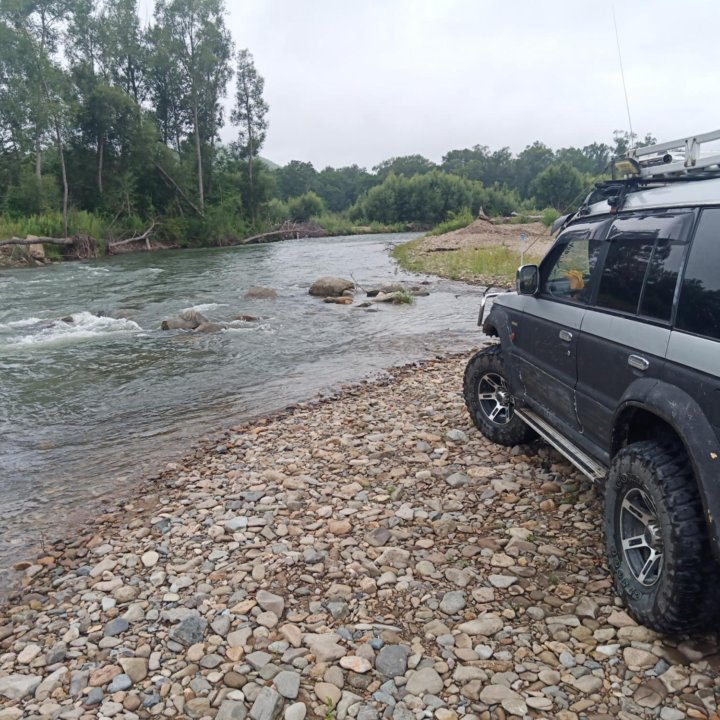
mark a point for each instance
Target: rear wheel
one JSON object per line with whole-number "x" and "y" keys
{"x": 489, "y": 401}
{"x": 657, "y": 541}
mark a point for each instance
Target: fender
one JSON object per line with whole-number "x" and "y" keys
{"x": 498, "y": 323}
{"x": 682, "y": 413}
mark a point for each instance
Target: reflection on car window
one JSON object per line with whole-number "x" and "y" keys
{"x": 699, "y": 307}
{"x": 623, "y": 274}
{"x": 647, "y": 250}
{"x": 567, "y": 275}
{"x": 662, "y": 277}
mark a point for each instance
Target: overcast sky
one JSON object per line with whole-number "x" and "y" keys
{"x": 360, "y": 81}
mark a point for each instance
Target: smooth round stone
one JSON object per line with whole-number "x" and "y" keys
{"x": 120, "y": 682}
{"x": 150, "y": 558}
{"x": 355, "y": 663}
{"x": 328, "y": 693}
{"x": 296, "y": 711}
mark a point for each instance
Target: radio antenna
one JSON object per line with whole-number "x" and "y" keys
{"x": 622, "y": 75}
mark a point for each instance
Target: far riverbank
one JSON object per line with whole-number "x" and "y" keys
{"x": 483, "y": 253}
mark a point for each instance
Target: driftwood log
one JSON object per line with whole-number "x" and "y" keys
{"x": 287, "y": 230}
{"x": 135, "y": 238}
{"x": 81, "y": 247}
{"x": 37, "y": 240}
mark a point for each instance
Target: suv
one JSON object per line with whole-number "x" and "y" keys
{"x": 610, "y": 351}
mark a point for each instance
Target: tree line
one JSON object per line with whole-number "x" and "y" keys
{"x": 110, "y": 124}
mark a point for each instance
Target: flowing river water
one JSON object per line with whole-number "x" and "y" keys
{"x": 88, "y": 407}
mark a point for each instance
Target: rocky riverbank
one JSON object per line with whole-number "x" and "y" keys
{"x": 370, "y": 555}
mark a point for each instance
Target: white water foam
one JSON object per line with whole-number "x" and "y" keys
{"x": 20, "y": 323}
{"x": 204, "y": 308}
{"x": 84, "y": 325}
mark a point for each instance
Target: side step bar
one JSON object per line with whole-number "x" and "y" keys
{"x": 580, "y": 459}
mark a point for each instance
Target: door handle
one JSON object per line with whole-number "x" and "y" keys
{"x": 638, "y": 362}
{"x": 565, "y": 335}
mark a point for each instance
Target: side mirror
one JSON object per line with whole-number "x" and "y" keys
{"x": 527, "y": 280}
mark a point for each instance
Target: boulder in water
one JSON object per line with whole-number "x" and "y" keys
{"x": 186, "y": 320}
{"x": 209, "y": 327}
{"x": 193, "y": 316}
{"x": 261, "y": 293}
{"x": 177, "y": 324}
{"x": 330, "y": 287}
{"x": 247, "y": 318}
{"x": 343, "y": 300}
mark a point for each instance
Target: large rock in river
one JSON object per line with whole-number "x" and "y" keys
{"x": 261, "y": 293}
{"x": 209, "y": 327}
{"x": 186, "y": 320}
{"x": 330, "y": 286}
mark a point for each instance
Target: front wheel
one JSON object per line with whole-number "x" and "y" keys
{"x": 489, "y": 401}
{"x": 657, "y": 541}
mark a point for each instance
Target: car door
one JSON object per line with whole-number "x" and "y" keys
{"x": 693, "y": 356}
{"x": 626, "y": 330}
{"x": 546, "y": 336}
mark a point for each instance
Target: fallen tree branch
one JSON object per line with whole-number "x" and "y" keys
{"x": 135, "y": 238}
{"x": 255, "y": 238}
{"x": 37, "y": 240}
{"x": 178, "y": 189}
{"x": 291, "y": 229}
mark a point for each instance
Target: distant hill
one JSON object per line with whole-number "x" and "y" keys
{"x": 269, "y": 164}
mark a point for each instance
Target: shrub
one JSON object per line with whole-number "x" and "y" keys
{"x": 549, "y": 216}
{"x": 454, "y": 222}
{"x": 306, "y": 206}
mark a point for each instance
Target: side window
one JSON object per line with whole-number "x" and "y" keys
{"x": 662, "y": 277}
{"x": 699, "y": 306}
{"x": 567, "y": 271}
{"x": 643, "y": 260}
{"x": 623, "y": 274}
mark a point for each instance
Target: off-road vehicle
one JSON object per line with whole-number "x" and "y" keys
{"x": 610, "y": 351}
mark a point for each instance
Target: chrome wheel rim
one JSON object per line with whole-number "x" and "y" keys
{"x": 641, "y": 537}
{"x": 495, "y": 399}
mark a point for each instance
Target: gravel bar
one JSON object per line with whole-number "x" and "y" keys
{"x": 366, "y": 555}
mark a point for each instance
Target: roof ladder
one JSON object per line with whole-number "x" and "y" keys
{"x": 676, "y": 157}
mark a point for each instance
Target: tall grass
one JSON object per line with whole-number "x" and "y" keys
{"x": 492, "y": 265}
{"x": 51, "y": 224}
{"x": 454, "y": 222}
{"x": 338, "y": 224}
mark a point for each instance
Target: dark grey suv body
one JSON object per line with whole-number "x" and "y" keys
{"x": 610, "y": 350}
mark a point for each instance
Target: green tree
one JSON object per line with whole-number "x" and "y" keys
{"x": 296, "y": 178}
{"x": 249, "y": 114}
{"x": 407, "y": 165}
{"x": 340, "y": 188}
{"x": 559, "y": 186}
{"x": 306, "y": 206}
{"x": 529, "y": 164}
{"x": 624, "y": 140}
{"x": 123, "y": 52}
{"x": 599, "y": 156}
{"x": 469, "y": 163}
{"x": 191, "y": 36}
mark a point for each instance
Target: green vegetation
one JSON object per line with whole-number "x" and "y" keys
{"x": 454, "y": 222}
{"x": 404, "y": 297}
{"x": 492, "y": 265}
{"x": 549, "y": 216}
{"x": 108, "y": 127}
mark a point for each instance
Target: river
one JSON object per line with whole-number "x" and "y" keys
{"x": 89, "y": 407}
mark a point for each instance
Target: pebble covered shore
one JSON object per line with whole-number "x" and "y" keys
{"x": 368, "y": 555}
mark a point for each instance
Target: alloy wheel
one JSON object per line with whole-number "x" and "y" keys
{"x": 495, "y": 399}
{"x": 641, "y": 537}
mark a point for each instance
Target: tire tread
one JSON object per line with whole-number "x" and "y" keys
{"x": 689, "y": 603}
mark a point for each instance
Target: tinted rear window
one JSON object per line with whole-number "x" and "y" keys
{"x": 699, "y": 306}
{"x": 645, "y": 251}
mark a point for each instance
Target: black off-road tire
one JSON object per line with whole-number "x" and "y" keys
{"x": 484, "y": 372}
{"x": 652, "y": 484}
